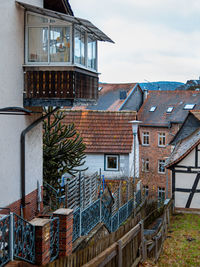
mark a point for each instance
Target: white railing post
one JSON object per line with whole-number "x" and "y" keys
{"x": 11, "y": 236}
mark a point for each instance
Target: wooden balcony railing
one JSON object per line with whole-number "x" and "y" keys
{"x": 49, "y": 87}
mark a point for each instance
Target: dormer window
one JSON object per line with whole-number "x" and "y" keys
{"x": 152, "y": 109}
{"x": 53, "y": 42}
{"x": 170, "y": 109}
{"x": 189, "y": 106}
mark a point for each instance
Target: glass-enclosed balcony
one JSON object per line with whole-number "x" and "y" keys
{"x": 60, "y": 63}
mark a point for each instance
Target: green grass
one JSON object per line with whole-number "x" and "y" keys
{"x": 182, "y": 246}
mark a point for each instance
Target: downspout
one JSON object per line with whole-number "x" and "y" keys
{"x": 22, "y": 151}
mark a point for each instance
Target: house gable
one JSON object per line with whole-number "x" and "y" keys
{"x": 61, "y": 6}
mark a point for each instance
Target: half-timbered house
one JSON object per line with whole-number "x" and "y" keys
{"x": 184, "y": 163}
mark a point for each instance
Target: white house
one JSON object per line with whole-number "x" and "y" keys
{"x": 109, "y": 140}
{"x": 184, "y": 163}
{"x": 45, "y": 51}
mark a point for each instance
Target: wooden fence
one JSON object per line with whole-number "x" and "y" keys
{"x": 122, "y": 248}
{"x": 81, "y": 191}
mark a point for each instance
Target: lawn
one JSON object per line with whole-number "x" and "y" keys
{"x": 182, "y": 246}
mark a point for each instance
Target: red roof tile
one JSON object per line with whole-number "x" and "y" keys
{"x": 103, "y": 131}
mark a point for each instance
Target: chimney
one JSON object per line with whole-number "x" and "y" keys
{"x": 145, "y": 94}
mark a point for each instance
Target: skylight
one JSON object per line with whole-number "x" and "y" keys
{"x": 189, "y": 106}
{"x": 152, "y": 109}
{"x": 169, "y": 109}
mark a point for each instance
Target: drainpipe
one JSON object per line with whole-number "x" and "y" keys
{"x": 22, "y": 144}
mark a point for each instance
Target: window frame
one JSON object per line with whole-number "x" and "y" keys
{"x": 144, "y": 134}
{"x": 106, "y": 162}
{"x": 161, "y": 190}
{"x": 161, "y": 136}
{"x": 59, "y": 23}
{"x": 145, "y": 163}
{"x": 159, "y": 163}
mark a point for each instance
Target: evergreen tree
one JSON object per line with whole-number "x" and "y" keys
{"x": 63, "y": 149}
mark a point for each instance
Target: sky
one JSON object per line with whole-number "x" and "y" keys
{"x": 155, "y": 40}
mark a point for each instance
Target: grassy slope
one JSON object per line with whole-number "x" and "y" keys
{"x": 182, "y": 247}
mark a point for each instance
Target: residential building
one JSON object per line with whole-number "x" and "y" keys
{"x": 162, "y": 114}
{"x": 48, "y": 58}
{"x": 116, "y": 97}
{"x": 184, "y": 162}
{"x": 109, "y": 141}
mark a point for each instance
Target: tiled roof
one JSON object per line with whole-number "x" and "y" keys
{"x": 196, "y": 113}
{"x": 103, "y": 131}
{"x": 109, "y": 96}
{"x": 183, "y": 148}
{"x": 164, "y": 99}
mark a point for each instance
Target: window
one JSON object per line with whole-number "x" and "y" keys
{"x": 145, "y": 165}
{"x": 47, "y": 41}
{"x": 170, "y": 109}
{"x": 59, "y": 44}
{"x": 189, "y": 106}
{"x": 161, "y": 194}
{"x": 152, "y": 109}
{"x": 111, "y": 162}
{"x": 79, "y": 53}
{"x": 91, "y": 53}
{"x": 161, "y": 166}
{"x": 145, "y": 138}
{"x": 161, "y": 139}
{"x": 146, "y": 190}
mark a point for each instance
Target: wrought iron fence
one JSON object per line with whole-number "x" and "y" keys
{"x": 85, "y": 220}
{"x": 54, "y": 238}
{"x": 90, "y": 217}
{"x": 24, "y": 239}
{"x": 4, "y": 240}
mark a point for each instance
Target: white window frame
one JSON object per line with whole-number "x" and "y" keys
{"x": 106, "y": 162}
{"x": 162, "y": 138}
{"x": 153, "y": 108}
{"x": 189, "y": 106}
{"x": 145, "y": 134}
{"x": 161, "y": 162}
{"x": 169, "y": 110}
{"x": 145, "y": 163}
{"x": 58, "y": 23}
{"x": 161, "y": 191}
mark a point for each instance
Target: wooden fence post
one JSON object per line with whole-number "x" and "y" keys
{"x": 143, "y": 241}
{"x": 119, "y": 253}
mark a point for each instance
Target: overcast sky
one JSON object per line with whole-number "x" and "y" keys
{"x": 155, "y": 40}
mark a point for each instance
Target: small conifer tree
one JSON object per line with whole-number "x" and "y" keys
{"x": 63, "y": 149}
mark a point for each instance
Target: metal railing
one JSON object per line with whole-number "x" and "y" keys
{"x": 23, "y": 239}
{"x": 54, "y": 238}
{"x": 85, "y": 220}
{"x": 5, "y": 255}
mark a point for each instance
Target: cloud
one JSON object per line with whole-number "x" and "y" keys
{"x": 155, "y": 40}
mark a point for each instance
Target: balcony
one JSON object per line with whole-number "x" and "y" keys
{"x": 58, "y": 86}
{"x": 60, "y": 64}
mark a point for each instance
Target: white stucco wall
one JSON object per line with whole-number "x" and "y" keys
{"x": 189, "y": 160}
{"x": 95, "y": 162}
{"x": 186, "y": 180}
{"x": 11, "y": 88}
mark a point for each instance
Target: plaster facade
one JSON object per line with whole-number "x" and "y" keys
{"x": 11, "y": 86}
